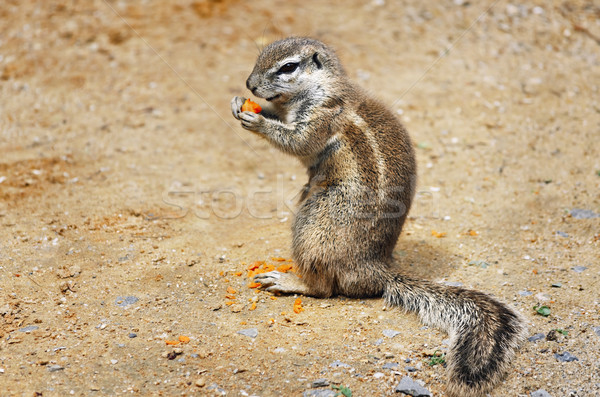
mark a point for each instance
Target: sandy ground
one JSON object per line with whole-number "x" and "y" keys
{"x": 131, "y": 200}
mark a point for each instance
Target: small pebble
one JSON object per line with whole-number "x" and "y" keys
{"x": 408, "y": 386}
{"x": 565, "y": 357}
{"x": 579, "y": 269}
{"x": 525, "y": 293}
{"x": 578, "y": 213}
{"x": 132, "y": 335}
{"x": 561, "y": 234}
{"x": 319, "y": 393}
{"x": 410, "y": 369}
{"x": 378, "y": 342}
{"x": 200, "y": 382}
{"x": 320, "y": 383}
{"x": 113, "y": 361}
{"x": 249, "y": 332}
{"x": 596, "y": 330}
{"x": 391, "y": 366}
{"x": 124, "y": 301}
{"x": 378, "y": 375}
{"x": 178, "y": 350}
{"x": 536, "y": 337}
{"x": 55, "y": 367}
{"x": 29, "y": 328}
{"x": 390, "y": 333}
{"x": 339, "y": 364}
{"x": 453, "y": 283}
{"x": 540, "y": 393}
{"x": 556, "y": 285}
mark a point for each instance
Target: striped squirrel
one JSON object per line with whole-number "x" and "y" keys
{"x": 361, "y": 182}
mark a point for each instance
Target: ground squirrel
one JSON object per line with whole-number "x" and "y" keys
{"x": 362, "y": 174}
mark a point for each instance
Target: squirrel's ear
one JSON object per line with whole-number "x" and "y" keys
{"x": 317, "y": 60}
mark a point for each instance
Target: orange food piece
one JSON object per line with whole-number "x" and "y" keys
{"x": 254, "y": 265}
{"x": 232, "y": 297}
{"x": 278, "y": 259}
{"x": 231, "y": 290}
{"x": 184, "y": 339}
{"x": 254, "y": 285}
{"x": 284, "y": 268}
{"x": 172, "y": 342}
{"x": 438, "y": 234}
{"x": 250, "y": 106}
{"x": 253, "y": 307}
{"x": 238, "y": 273}
{"x": 298, "y": 306}
{"x": 229, "y": 303}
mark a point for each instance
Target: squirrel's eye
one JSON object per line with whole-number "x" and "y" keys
{"x": 288, "y": 68}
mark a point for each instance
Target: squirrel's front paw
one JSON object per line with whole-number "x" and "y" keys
{"x": 236, "y": 106}
{"x": 252, "y": 121}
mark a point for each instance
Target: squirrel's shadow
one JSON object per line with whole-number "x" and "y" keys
{"x": 423, "y": 260}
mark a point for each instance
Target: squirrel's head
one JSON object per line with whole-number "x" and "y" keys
{"x": 292, "y": 66}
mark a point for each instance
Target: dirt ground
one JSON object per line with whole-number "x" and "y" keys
{"x": 132, "y": 203}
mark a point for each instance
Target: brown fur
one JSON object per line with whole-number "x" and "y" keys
{"x": 362, "y": 176}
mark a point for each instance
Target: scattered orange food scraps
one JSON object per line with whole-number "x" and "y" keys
{"x": 254, "y": 285}
{"x": 231, "y": 290}
{"x": 473, "y": 232}
{"x": 250, "y": 106}
{"x": 243, "y": 323}
{"x": 229, "y": 303}
{"x": 534, "y": 271}
{"x": 298, "y": 306}
{"x": 253, "y": 307}
{"x": 230, "y": 296}
{"x": 172, "y": 342}
{"x": 238, "y": 273}
{"x": 438, "y": 234}
{"x": 278, "y": 259}
{"x": 184, "y": 339}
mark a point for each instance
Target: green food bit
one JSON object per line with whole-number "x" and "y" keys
{"x": 542, "y": 310}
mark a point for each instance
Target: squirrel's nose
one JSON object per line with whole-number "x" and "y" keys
{"x": 250, "y": 87}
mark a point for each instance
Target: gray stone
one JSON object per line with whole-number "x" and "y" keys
{"x": 453, "y": 283}
{"x": 540, "y": 393}
{"x": 536, "y": 337}
{"x": 391, "y": 366}
{"x": 319, "y": 393}
{"x": 596, "y": 330}
{"x": 132, "y": 335}
{"x": 29, "y": 328}
{"x": 579, "y": 269}
{"x": 390, "y": 333}
{"x": 55, "y": 368}
{"x": 124, "y": 301}
{"x": 320, "y": 383}
{"x": 339, "y": 364}
{"x": 378, "y": 342}
{"x": 410, "y": 369}
{"x": 408, "y": 386}
{"x": 578, "y": 213}
{"x": 565, "y": 357}
{"x": 561, "y": 234}
{"x": 525, "y": 293}
{"x": 249, "y": 332}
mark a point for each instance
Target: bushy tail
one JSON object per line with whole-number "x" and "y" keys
{"x": 484, "y": 333}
